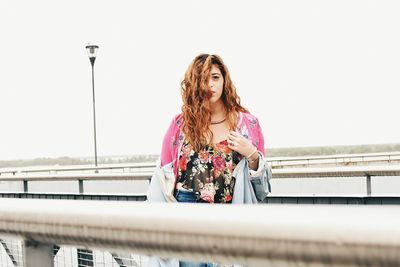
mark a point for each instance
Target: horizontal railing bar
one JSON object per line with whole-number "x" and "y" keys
{"x": 329, "y": 162}
{"x": 271, "y": 199}
{"x": 77, "y": 176}
{"x": 257, "y": 235}
{"x": 347, "y": 171}
{"x": 76, "y": 196}
{"x": 338, "y": 156}
{"x": 310, "y": 172}
{"x": 78, "y": 167}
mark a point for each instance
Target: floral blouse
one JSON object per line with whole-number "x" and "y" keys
{"x": 209, "y": 172}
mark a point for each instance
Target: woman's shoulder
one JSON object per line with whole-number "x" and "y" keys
{"x": 178, "y": 119}
{"x": 249, "y": 118}
{"x": 175, "y": 125}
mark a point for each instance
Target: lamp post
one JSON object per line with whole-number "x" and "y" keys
{"x": 92, "y": 50}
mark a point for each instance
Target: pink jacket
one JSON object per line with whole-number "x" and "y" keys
{"x": 247, "y": 125}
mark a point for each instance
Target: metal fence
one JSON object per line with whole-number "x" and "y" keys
{"x": 337, "y": 160}
{"x": 365, "y": 172}
{"x": 274, "y": 162}
{"x": 12, "y": 255}
{"x": 252, "y": 235}
{"x": 88, "y": 253}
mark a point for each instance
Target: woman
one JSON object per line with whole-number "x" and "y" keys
{"x": 213, "y": 152}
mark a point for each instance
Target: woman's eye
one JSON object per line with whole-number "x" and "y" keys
{"x": 215, "y": 77}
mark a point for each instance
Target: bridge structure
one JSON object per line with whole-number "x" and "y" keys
{"x": 46, "y": 229}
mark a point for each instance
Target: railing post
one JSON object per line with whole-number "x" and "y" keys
{"x": 368, "y": 181}
{"x": 25, "y": 186}
{"x": 37, "y": 254}
{"x": 80, "y": 186}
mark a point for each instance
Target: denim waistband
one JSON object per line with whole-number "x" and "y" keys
{"x": 184, "y": 195}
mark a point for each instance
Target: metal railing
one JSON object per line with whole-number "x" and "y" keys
{"x": 12, "y": 255}
{"x": 350, "y": 171}
{"x": 336, "y": 160}
{"x": 80, "y": 178}
{"x": 255, "y": 235}
{"x": 119, "y": 167}
{"x": 275, "y": 162}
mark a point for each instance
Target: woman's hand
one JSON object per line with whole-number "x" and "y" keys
{"x": 240, "y": 144}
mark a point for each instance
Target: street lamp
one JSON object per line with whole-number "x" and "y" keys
{"x": 92, "y": 49}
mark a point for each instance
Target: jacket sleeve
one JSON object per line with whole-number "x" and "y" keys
{"x": 167, "y": 145}
{"x": 260, "y": 135}
{"x": 260, "y": 179}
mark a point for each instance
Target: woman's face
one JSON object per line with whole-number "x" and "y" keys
{"x": 216, "y": 84}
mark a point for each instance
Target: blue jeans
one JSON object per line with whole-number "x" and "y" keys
{"x": 195, "y": 264}
{"x": 183, "y": 195}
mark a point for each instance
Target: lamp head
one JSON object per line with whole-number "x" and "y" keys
{"x": 92, "y": 50}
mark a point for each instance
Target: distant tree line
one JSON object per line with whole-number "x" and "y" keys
{"x": 43, "y": 161}
{"x": 76, "y": 161}
{"x": 272, "y": 152}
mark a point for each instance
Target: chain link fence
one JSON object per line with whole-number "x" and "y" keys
{"x": 11, "y": 255}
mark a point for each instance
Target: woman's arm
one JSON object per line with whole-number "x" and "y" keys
{"x": 168, "y": 141}
{"x": 259, "y": 144}
{"x": 254, "y": 160}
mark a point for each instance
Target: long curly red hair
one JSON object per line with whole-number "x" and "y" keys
{"x": 196, "y": 94}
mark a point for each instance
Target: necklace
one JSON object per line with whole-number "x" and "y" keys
{"x": 218, "y": 122}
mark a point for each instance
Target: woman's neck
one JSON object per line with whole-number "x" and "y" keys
{"x": 218, "y": 111}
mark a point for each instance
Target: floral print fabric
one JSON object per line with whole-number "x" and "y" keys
{"x": 208, "y": 173}
{"x": 247, "y": 125}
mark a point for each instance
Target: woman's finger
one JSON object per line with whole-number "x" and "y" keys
{"x": 233, "y": 144}
{"x": 235, "y": 134}
{"x": 232, "y": 139}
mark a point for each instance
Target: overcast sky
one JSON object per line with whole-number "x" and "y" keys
{"x": 315, "y": 73}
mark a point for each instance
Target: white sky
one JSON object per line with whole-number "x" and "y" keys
{"x": 314, "y": 72}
